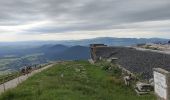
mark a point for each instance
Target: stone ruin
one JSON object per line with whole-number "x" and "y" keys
{"x": 93, "y": 49}
{"x": 136, "y": 61}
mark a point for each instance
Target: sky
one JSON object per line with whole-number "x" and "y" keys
{"x": 28, "y": 20}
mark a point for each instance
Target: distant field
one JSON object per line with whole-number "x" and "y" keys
{"x": 9, "y": 63}
{"x": 74, "y": 81}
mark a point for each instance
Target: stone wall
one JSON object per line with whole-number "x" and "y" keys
{"x": 140, "y": 62}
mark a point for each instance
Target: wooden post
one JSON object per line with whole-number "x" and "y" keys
{"x": 4, "y": 83}
{"x": 18, "y": 77}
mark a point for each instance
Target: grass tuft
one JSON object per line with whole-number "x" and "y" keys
{"x": 76, "y": 80}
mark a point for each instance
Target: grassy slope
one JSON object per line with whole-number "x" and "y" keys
{"x": 80, "y": 81}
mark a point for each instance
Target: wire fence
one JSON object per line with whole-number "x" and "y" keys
{"x": 14, "y": 78}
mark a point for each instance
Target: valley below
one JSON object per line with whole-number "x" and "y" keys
{"x": 14, "y": 59}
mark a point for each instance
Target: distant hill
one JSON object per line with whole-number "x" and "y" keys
{"x": 68, "y": 53}
{"x": 85, "y": 42}
{"x": 16, "y": 54}
{"x": 115, "y": 41}
{"x": 75, "y": 53}
{"x": 42, "y": 54}
{"x": 53, "y": 49}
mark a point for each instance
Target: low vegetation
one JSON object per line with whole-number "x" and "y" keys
{"x": 7, "y": 77}
{"x": 77, "y": 80}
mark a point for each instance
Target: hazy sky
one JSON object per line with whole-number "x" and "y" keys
{"x": 23, "y": 20}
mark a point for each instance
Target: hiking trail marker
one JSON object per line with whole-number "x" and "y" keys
{"x": 161, "y": 83}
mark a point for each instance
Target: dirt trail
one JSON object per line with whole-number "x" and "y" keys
{"x": 13, "y": 83}
{"x": 157, "y": 51}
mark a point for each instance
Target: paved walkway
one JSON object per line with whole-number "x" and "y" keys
{"x": 13, "y": 83}
{"x": 157, "y": 51}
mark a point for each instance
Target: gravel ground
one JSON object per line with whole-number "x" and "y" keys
{"x": 141, "y": 62}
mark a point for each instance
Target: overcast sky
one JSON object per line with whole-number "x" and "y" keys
{"x": 23, "y": 20}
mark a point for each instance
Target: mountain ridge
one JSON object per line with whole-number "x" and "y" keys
{"x": 85, "y": 42}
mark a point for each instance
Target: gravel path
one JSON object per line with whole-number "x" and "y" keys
{"x": 13, "y": 83}
{"x": 157, "y": 51}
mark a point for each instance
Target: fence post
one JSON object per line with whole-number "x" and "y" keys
{"x": 4, "y": 83}
{"x": 18, "y": 78}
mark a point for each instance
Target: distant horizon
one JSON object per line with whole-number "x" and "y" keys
{"x": 48, "y": 20}
{"x": 80, "y": 39}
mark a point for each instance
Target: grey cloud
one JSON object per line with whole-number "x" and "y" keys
{"x": 87, "y": 14}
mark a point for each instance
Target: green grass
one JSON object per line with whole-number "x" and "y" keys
{"x": 7, "y": 77}
{"x": 80, "y": 81}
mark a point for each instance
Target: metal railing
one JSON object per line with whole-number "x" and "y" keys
{"x": 16, "y": 75}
